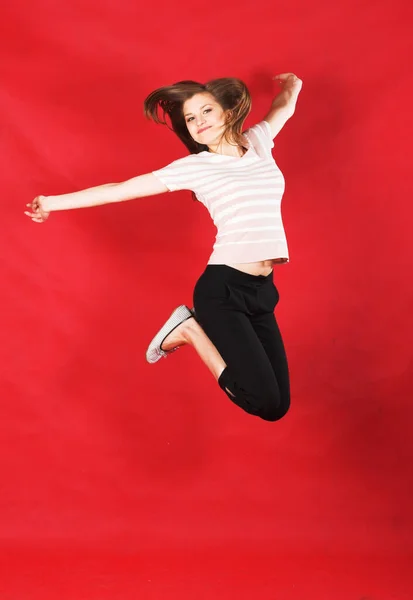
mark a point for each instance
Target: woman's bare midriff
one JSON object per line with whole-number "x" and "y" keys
{"x": 262, "y": 267}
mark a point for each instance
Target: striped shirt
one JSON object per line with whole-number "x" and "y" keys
{"x": 242, "y": 195}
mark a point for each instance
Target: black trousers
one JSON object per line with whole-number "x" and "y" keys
{"x": 236, "y": 311}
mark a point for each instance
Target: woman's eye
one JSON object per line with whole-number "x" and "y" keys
{"x": 206, "y": 110}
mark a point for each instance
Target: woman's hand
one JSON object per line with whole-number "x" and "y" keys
{"x": 289, "y": 81}
{"x": 290, "y": 88}
{"x": 38, "y": 214}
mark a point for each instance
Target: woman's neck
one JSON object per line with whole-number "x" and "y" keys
{"x": 229, "y": 147}
{"x": 228, "y": 150}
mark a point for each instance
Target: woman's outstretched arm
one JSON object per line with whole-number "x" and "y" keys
{"x": 137, "y": 187}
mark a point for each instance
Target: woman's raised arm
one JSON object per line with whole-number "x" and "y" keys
{"x": 137, "y": 187}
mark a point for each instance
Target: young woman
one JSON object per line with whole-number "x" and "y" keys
{"x": 232, "y": 326}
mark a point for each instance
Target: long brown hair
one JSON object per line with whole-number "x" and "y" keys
{"x": 231, "y": 93}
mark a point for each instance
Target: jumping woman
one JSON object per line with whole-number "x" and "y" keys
{"x": 233, "y": 174}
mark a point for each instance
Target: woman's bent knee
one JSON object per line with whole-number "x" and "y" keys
{"x": 265, "y": 404}
{"x": 274, "y": 408}
{"x": 274, "y": 414}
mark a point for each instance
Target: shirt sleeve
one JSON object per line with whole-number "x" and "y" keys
{"x": 178, "y": 175}
{"x": 261, "y": 135}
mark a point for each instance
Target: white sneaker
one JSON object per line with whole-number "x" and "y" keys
{"x": 154, "y": 351}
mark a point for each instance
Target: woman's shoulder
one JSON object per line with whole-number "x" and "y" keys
{"x": 261, "y": 135}
{"x": 262, "y": 127}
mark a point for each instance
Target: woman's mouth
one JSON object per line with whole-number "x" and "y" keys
{"x": 204, "y": 129}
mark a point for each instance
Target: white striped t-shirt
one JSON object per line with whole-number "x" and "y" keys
{"x": 242, "y": 195}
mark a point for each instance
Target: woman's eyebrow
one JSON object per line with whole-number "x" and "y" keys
{"x": 191, "y": 113}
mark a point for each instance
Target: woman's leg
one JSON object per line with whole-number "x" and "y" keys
{"x": 250, "y": 381}
{"x": 236, "y": 312}
{"x": 249, "y": 378}
{"x": 244, "y": 353}
{"x": 268, "y": 332}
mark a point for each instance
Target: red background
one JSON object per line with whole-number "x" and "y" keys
{"x": 125, "y": 480}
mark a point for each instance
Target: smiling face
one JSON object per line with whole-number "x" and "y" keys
{"x": 205, "y": 118}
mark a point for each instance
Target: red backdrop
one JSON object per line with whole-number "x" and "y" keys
{"x": 125, "y": 480}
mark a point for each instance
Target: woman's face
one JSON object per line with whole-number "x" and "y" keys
{"x": 204, "y": 117}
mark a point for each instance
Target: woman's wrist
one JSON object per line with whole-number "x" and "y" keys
{"x": 46, "y": 203}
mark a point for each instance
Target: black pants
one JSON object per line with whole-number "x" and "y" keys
{"x": 236, "y": 311}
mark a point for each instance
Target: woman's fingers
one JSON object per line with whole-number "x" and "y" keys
{"x": 34, "y": 216}
{"x": 35, "y": 211}
{"x": 284, "y": 77}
